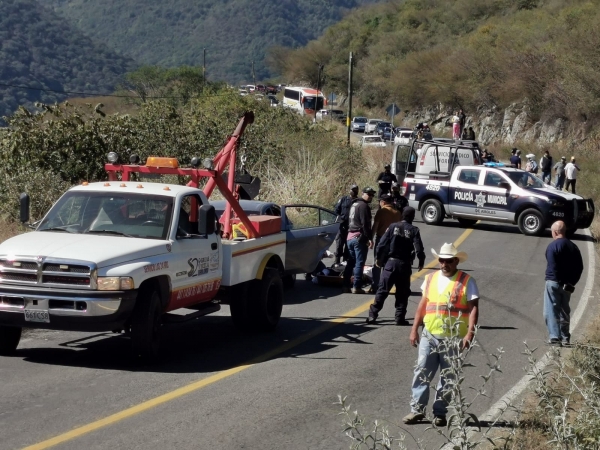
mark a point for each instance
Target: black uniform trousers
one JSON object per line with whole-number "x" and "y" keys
{"x": 341, "y": 249}
{"x": 395, "y": 272}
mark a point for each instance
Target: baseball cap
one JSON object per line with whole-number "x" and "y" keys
{"x": 387, "y": 166}
{"x": 572, "y": 158}
{"x": 563, "y": 157}
{"x": 354, "y": 187}
{"x": 369, "y": 190}
{"x": 385, "y": 197}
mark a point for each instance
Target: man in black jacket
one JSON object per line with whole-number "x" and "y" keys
{"x": 385, "y": 180}
{"x": 342, "y": 209}
{"x": 394, "y": 254}
{"x": 563, "y": 271}
{"x": 359, "y": 241}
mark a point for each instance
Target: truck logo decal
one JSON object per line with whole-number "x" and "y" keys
{"x": 214, "y": 261}
{"x": 198, "y": 266}
{"x": 480, "y": 200}
{"x": 158, "y": 266}
{"x": 198, "y": 289}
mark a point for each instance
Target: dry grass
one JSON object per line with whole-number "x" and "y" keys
{"x": 9, "y": 229}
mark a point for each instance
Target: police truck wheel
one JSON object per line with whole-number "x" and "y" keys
{"x": 266, "y": 300}
{"x": 146, "y": 323}
{"x": 9, "y": 339}
{"x": 466, "y": 223}
{"x": 571, "y": 232}
{"x": 531, "y": 222}
{"x": 432, "y": 212}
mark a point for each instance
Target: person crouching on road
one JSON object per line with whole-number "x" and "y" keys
{"x": 563, "y": 271}
{"x": 394, "y": 254}
{"x": 386, "y": 216}
{"x": 360, "y": 240}
{"x": 450, "y": 303}
{"x": 342, "y": 209}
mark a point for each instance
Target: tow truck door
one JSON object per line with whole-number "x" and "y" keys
{"x": 465, "y": 191}
{"x": 310, "y": 230}
{"x": 196, "y": 270}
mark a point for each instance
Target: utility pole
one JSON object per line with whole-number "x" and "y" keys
{"x": 318, "y": 86}
{"x": 253, "y": 76}
{"x": 349, "y": 117}
{"x": 203, "y": 67}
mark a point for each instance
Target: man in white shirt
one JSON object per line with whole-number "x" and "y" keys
{"x": 449, "y": 309}
{"x": 571, "y": 170}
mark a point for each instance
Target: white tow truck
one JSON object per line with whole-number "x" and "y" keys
{"x": 130, "y": 256}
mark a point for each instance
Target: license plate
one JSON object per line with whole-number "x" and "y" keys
{"x": 37, "y": 315}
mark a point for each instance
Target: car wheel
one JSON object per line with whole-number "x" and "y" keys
{"x": 9, "y": 339}
{"x": 531, "y": 222}
{"x": 571, "y": 232}
{"x": 266, "y": 301}
{"x": 466, "y": 223}
{"x": 146, "y": 323}
{"x": 432, "y": 212}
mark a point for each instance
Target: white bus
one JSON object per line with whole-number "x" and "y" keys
{"x": 303, "y": 100}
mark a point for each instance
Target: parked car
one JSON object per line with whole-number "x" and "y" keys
{"x": 310, "y": 231}
{"x": 358, "y": 124}
{"x": 261, "y": 88}
{"x": 273, "y": 100}
{"x": 403, "y": 136}
{"x": 243, "y": 92}
{"x": 322, "y": 114}
{"x": 250, "y": 87}
{"x": 372, "y": 141}
{"x": 271, "y": 89}
{"x": 372, "y": 125}
{"x": 387, "y": 134}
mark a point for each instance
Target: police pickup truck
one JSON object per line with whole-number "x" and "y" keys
{"x": 495, "y": 193}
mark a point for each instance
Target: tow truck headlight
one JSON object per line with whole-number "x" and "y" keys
{"x": 115, "y": 283}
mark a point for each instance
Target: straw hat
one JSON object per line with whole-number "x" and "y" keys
{"x": 449, "y": 251}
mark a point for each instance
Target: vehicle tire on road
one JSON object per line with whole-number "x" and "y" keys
{"x": 146, "y": 323}
{"x": 266, "y": 300}
{"x": 9, "y": 339}
{"x": 531, "y": 222}
{"x": 571, "y": 232}
{"x": 432, "y": 212}
{"x": 289, "y": 281}
{"x": 238, "y": 306}
{"x": 466, "y": 223}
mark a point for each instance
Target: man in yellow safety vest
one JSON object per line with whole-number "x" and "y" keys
{"x": 448, "y": 308}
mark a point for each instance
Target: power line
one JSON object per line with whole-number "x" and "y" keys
{"x": 111, "y": 95}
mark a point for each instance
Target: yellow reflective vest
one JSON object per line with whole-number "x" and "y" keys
{"x": 443, "y": 309}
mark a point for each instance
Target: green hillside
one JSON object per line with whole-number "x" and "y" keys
{"x": 466, "y": 53}
{"x": 174, "y": 33}
{"x": 39, "y": 49}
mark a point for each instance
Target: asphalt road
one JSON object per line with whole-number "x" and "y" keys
{"x": 217, "y": 388}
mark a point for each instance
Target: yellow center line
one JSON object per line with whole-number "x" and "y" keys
{"x": 197, "y": 385}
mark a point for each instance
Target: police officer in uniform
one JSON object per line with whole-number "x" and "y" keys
{"x": 394, "y": 254}
{"x": 399, "y": 201}
{"x": 342, "y": 209}
{"x": 385, "y": 180}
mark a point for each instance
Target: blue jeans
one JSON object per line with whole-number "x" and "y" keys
{"x": 557, "y": 311}
{"x": 433, "y": 354}
{"x": 546, "y": 176}
{"x": 357, "y": 256}
{"x": 560, "y": 181}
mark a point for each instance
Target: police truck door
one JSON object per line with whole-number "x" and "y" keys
{"x": 465, "y": 191}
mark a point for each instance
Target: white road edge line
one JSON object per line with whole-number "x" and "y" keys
{"x": 507, "y": 399}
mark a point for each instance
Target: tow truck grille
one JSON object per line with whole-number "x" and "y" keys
{"x": 46, "y": 273}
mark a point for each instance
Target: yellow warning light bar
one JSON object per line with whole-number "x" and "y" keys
{"x": 158, "y": 161}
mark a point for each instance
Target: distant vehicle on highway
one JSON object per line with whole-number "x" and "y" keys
{"x": 271, "y": 89}
{"x": 371, "y": 125}
{"x": 380, "y": 126}
{"x": 402, "y": 135}
{"x": 387, "y": 134}
{"x": 261, "y": 88}
{"x": 305, "y": 101}
{"x": 372, "y": 141}
{"x": 273, "y": 100}
{"x": 250, "y": 87}
{"x": 358, "y": 124}
{"x": 243, "y": 92}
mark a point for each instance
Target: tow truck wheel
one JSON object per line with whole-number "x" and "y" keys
{"x": 9, "y": 339}
{"x": 238, "y": 305}
{"x": 146, "y": 324}
{"x": 466, "y": 222}
{"x": 571, "y": 232}
{"x": 289, "y": 281}
{"x": 531, "y": 222}
{"x": 267, "y": 300}
{"x": 432, "y": 212}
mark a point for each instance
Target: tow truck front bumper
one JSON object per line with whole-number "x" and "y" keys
{"x": 65, "y": 309}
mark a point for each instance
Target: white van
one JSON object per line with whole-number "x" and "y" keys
{"x": 403, "y": 137}
{"x": 433, "y": 159}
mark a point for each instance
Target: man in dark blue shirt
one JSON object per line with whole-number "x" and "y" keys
{"x": 563, "y": 271}
{"x": 515, "y": 159}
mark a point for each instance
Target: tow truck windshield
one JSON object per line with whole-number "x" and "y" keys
{"x": 123, "y": 214}
{"x": 525, "y": 180}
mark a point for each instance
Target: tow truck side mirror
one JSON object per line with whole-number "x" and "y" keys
{"x": 24, "y": 207}
{"x": 504, "y": 185}
{"x": 207, "y": 220}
